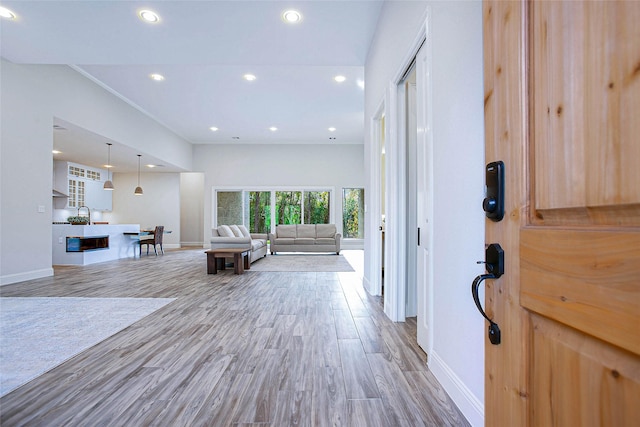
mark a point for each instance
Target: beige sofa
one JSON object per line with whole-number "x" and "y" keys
{"x": 305, "y": 238}
{"x": 237, "y": 236}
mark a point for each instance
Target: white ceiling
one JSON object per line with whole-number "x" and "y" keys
{"x": 203, "y": 48}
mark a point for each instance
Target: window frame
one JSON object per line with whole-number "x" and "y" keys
{"x": 273, "y": 190}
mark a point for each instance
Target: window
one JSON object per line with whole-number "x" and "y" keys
{"x": 229, "y": 207}
{"x": 353, "y": 213}
{"x": 259, "y": 211}
{"x": 259, "y": 214}
{"x": 288, "y": 207}
{"x": 316, "y": 207}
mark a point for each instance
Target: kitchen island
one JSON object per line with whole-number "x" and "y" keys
{"x": 88, "y": 244}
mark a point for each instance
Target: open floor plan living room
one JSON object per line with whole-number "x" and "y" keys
{"x": 266, "y": 347}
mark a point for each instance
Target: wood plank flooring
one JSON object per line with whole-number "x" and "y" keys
{"x": 262, "y": 348}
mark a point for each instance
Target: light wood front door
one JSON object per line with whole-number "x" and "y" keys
{"x": 562, "y": 110}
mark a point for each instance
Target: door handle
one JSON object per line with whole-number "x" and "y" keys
{"x": 494, "y": 261}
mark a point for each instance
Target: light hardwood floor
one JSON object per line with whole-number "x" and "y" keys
{"x": 262, "y": 348}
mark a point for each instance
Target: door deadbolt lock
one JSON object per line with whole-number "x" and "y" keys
{"x": 493, "y": 204}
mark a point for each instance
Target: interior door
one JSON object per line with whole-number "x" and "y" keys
{"x": 562, "y": 102}
{"x": 411, "y": 291}
{"x": 424, "y": 260}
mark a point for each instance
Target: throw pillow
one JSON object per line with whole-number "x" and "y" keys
{"x": 236, "y": 231}
{"x": 244, "y": 231}
{"x": 225, "y": 231}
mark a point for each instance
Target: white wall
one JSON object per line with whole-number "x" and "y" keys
{"x": 31, "y": 96}
{"x": 159, "y": 205}
{"x": 191, "y": 209}
{"x": 246, "y": 165}
{"x": 459, "y": 331}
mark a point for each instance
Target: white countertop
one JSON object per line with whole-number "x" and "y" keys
{"x": 120, "y": 246}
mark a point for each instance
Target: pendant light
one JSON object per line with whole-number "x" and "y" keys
{"x": 138, "y": 190}
{"x": 108, "y": 185}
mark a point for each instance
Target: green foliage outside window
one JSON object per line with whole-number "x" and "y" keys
{"x": 353, "y": 213}
{"x": 316, "y": 207}
{"x": 253, "y": 208}
{"x": 288, "y": 207}
{"x": 259, "y": 211}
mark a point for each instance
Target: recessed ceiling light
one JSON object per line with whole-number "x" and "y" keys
{"x": 157, "y": 77}
{"x": 332, "y": 129}
{"x": 273, "y": 128}
{"x": 56, "y": 152}
{"x": 339, "y": 79}
{"x": 108, "y": 166}
{"x": 213, "y": 128}
{"x": 149, "y": 16}
{"x": 360, "y": 83}
{"x": 6, "y": 13}
{"x": 249, "y": 77}
{"x": 151, "y": 166}
{"x": 291, "y": 16}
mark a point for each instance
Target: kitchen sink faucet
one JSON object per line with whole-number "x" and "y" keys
{"x": 88, "y": 212}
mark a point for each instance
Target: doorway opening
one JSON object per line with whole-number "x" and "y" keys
{"x": 411, "y": 137}
{"x": 413, "y": 291}
{"x": 382, "y": 226}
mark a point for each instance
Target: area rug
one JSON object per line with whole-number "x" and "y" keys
{"x": 302, "y": 262}
{"x": 38, "y": 334}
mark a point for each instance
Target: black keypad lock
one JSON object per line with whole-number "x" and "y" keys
{"x": 493, "y": 204}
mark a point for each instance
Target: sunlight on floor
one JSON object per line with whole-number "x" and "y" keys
{"x": 356, "y": 259}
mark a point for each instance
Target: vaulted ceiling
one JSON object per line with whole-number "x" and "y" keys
{"x": 203, "y": 49}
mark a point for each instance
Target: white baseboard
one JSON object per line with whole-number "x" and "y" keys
{"x": 191, "y": 244}
{"x": 470, "y": 406}
{"x": 352, "y": 244}
{"x": 366, "y": 284}
{"x": 171, "y": 246}
{"x": 29, "y": 275}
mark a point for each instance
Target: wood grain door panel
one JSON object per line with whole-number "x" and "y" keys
{"x": 585, "y": 63}
{"x": 562, "y": 109}
{"x": 570, "y": 369}
{"x": 588, "y": 280}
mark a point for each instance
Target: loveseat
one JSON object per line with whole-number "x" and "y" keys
{"x": 237, "y": 236}
{"x": 305, "y": 238}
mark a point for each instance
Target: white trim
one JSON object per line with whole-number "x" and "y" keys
{"x": 372, "y": 206}
{"x": 29, "y": 275}
{"x": 395, "y": 207}
{"x": 191, "y": 244}
{"x": 412, "y": 52}
{"x": 411, "y": 202}
{"x": 395, "y": 203}
{"x": 425, "y": 101}
{"x": 349, "y": 244}
{"x": 467, "y": 402}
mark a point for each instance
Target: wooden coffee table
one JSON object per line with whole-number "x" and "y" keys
{"x": 218, "y": 255}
